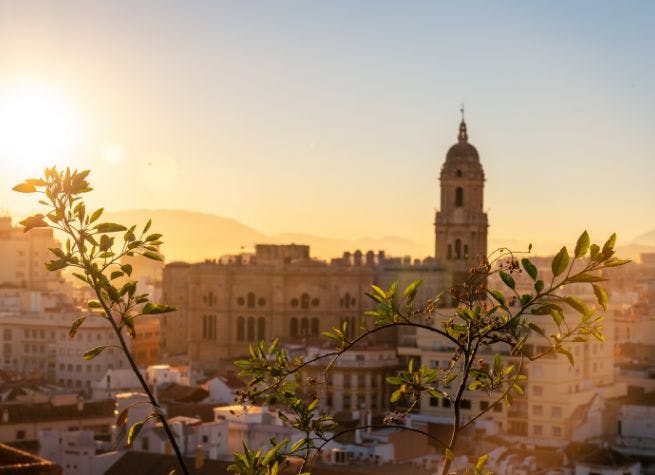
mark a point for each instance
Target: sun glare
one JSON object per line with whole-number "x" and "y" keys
{"x": 39, "y": 127}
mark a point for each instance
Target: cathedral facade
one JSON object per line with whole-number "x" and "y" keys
{"x": 281, "y": 292}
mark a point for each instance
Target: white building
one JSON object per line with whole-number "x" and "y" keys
{"x": 38, "y": 342}
{"x": 77, "y": 452}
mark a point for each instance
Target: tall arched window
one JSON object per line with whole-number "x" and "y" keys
{"x": 314, "y": 326}
{"x": 251, "y": 299}
{"x": 458, "y": 249}
{"x": 261, "y": 328}
{"x": 450, "y": 251}
{"x": 304, "y": 301}
{"x": 459, "y": 196}
{"x": 294, "y": 327}
{"x": 241, "y": 329}
{"x": 466, "y": 251}
{"x": 251, "y": 329}
{"x": 353, "y": 327}
{"x": 304, "y": 326}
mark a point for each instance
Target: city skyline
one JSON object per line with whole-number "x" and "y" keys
{"x": 334, "y": 120}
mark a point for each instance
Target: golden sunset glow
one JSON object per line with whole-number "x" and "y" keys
{"x": 39, "y": 126}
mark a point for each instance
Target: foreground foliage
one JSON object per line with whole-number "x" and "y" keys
{"x": 94, "y": 251}
{"x": 483, "y": 322}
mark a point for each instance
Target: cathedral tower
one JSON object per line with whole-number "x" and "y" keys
{"x": 461, "y": 224}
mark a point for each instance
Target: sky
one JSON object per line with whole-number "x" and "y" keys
{"x": 333, "y": 117}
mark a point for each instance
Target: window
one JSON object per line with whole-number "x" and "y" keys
{"x": 261, "y": 328}
{"x": 537, "y": 390}
{"x": 537, "y": 410}
{"x": 557, "y": 431}
{"x": 465, "y": 404}
{"x": 459, "y": 196}
{"x": 450, "y": 251}
{"x": 458, "y": 249}
{"x": 466, "y": 251}
{"x": 445, "y": 403}
{"x": 434, "y": 401}
{"x": 484, "y": 405}
{"x": 556, "y": 411}
{"x": 251, "y": 300}
{"x": 537, "y": 430}
{"x": 346, "y": 381}
{"x": 498, "y": 407}
{"x": 20, "y": 435}
{"x": 314, "y": 326}
{"x": 304, "y": 301}
{"x": 6, "y": 334}
{"x": 294, "y": 327}
{"x": 205, "y": 439}
{"x": 304, "y": 326}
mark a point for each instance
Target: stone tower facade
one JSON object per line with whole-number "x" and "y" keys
{"x": 461, "y": 223}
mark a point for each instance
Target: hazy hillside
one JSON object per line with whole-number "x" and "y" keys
{"x": 194, "y": 236}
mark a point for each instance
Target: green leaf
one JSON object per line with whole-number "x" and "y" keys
{"x": 410, "y": 291}
{"x": 616, "y": 262}
{"x": 395, "y": 380}
{"x": 560, "y": 262}
{"x": 96, "y": 214}
{"x": 586, "y": 278}
{"x": 601, "y": 296}
{"x": 121, "y": 420}
{"x": 109, "y": 228}
{"x": 89, "y": 355}
{"x": 566, "y": 353}
{"x": 147, "y": 226}
{"x": 154, "y": 308}
{"x": 529, "y": 267}
{"x": 56, "y": 265}
{"x": 578, "y": 305}
{"x": 74, "y": 327}
{"x": 25, "y": 188}
{"x": 127, "y": 268}
{"x": 582, "y": 246}
{"x": 537, "y": 329}
{"x": 594, "y": 251}
{"x": 153, "y": 237}
{"x": 539, "y": 286}
{"x": 479, "y": 465}
{"x": 35, "y": 221}
{"x": 116, "y": 274}
{"x": 499, "y": 297}
{"x": 93, "y": 304}
{"x": 609, "y": 244}
{"x": 396, "y": 395}
{"x": 508, "y": 279}
{"x": 134, "y": 432}
{"x": 152, "y": 255}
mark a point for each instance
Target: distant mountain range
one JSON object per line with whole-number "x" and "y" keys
{"x": 193, "y": 236}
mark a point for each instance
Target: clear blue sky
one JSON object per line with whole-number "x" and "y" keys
{"x": 334, "y": 117}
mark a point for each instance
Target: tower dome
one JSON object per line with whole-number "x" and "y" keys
{"x": 462, "y": 158}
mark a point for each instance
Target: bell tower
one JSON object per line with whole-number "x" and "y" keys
{"x": 461, "y": 223}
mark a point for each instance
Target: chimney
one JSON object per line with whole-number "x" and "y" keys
{"x": 358, "y": 257}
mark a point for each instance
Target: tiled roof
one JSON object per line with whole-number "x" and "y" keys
{"x": 14, "y": 461}
{"x": 180, "y": 393}
{"x": 145, "y": 463}
{"x": 42, "y": 412}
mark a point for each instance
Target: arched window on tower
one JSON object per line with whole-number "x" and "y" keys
{"x": 314, "y": 326}
{"x": 251, "y": 329}
{"x": 304, "y": 301}
{"x": 450, "y": 251}
{"x": 466, "y": 251}
{"x": 458, "y": 249}
{"x": 304, "y": 326}
{"x": 241, "y": 329}
{"x": 459, "y": 196}
{"x": 459, "y": 173}
{"x": 261, "y": 328}
{"x": 294, "y": 327}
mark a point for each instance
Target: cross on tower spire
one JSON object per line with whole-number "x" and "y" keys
{"x": 463, "y": 135}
